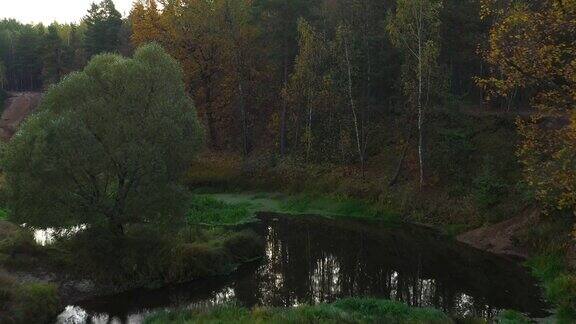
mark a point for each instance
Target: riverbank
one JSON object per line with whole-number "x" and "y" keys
{"x": 94, "y": 262}
{"x": 317, "y": 259}
{"x": 540, "y": 242}
{"x": 352, "y": 310}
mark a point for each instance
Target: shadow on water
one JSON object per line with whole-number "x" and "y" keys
{"x": 310, "y": 260}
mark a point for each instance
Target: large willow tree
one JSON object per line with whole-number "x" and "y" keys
{"x": 107, "y": 147}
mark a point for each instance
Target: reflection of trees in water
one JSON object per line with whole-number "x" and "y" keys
{"x": 324, "y": 266}
{"x": 310, "y": 262}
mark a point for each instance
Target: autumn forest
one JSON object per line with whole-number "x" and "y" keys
{"x": 177, "y": 132}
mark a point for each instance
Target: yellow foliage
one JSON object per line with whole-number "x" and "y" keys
{"x": 532, "y": 47}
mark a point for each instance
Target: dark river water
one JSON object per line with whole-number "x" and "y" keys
{"x": 310, "y": 260}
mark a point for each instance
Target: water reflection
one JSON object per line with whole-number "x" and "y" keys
{"x": 312, "y": 260}
{"x": 48, "y": 236}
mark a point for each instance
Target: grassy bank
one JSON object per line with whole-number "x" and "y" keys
{"x": 551, "y": 240}
{"x": 145, "y": 256}
{"x": 27, "y": 302}
{"x": 349, "y": 310}
{"x": 352, "y": 310}
{"x": 23, "y": 302}
{"x": 241, "y": 207}
{"x": 473, "y": 177}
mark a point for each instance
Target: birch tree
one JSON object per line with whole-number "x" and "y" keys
{"x": 414, "y": 28}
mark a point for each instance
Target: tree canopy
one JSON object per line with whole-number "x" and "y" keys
{"x": 103, "y": 26}
{"x": 107, "y": 146}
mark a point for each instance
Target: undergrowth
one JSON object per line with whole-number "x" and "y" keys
{"x": 350, "y": 310}
{"x": 27, "y": 302}
{"x": 549, "y": 239}
{"x": 205, "y": 210}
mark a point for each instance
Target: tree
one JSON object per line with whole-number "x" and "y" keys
{"x": 309, "y": 81}
{"x": 532, "y": 49}
{"x": 53, "y": 69}
{"x": 103, "y": 26}
{"x": 278, "y": 19}
{"x": 146, "y": 25}
{"x": 2, "y": 75}
{"x": 414, "y": 28}
{"x": 107, "y": 146}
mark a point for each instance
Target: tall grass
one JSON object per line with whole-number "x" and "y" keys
{"x": 3, "y": 214}
{"x": 205, "y": 210}
{"x": 559, "y": 284}
{"x": 350, "y": 310}
{"x": 238, "y": 207}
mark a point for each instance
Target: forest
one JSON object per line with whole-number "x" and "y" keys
{"x": 290, "y": 161}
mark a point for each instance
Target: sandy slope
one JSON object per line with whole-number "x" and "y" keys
{"x": 19, "y": 106}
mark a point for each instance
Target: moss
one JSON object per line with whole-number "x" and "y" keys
{"x": 351, "y": 310}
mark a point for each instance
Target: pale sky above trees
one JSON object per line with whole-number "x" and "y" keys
{"x": 48, "y": 11}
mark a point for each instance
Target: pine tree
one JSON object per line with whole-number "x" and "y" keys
{"x": 103, "y": 25}
{"x": 53, "y": 56}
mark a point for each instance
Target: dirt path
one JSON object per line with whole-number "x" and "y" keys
{"x": 18, "y": 106}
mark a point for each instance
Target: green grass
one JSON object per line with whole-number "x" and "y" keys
{"x": 351, "y": 310}
{"x": 3, "y": 214}
{"x": 206, "y": 210}
{"x": 232, "y": 206}
{"x": 512, "y": 317}
{"x": 559, "y": 284}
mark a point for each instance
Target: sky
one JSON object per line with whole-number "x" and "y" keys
{"x": 48, "y": 11}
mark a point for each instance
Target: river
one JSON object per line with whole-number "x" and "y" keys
{"x": 313, "y": 259}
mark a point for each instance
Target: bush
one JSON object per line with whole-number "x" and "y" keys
{"x": 562, "y": 292}
{"x": 151, "y": 256}
{"x": 489, "y": 188}
{"x": 27, "y": 303}
{"x": 559, "y": 285}
{"x": 36, "y": 303}
{"x": 244, "y": 246}
{"x": 18, "y": 247}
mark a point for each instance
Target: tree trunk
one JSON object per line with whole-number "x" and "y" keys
{"x": 243, "y": 115}
{"x": 284, "y": 110}
{"x": 352, "y": 106}
{"x": 420, "y": 117}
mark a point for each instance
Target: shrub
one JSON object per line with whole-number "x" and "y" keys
{"x": 36, "y": 303}
{"x": 18, "y": 246}
{"x": 244, "y": 246}
{"x": 562, "y": 292}
{"x": 489, "y": 187}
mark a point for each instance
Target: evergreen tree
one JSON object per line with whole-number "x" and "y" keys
{"x": 103, "y": 26}
{"x": 53, "y": 55}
